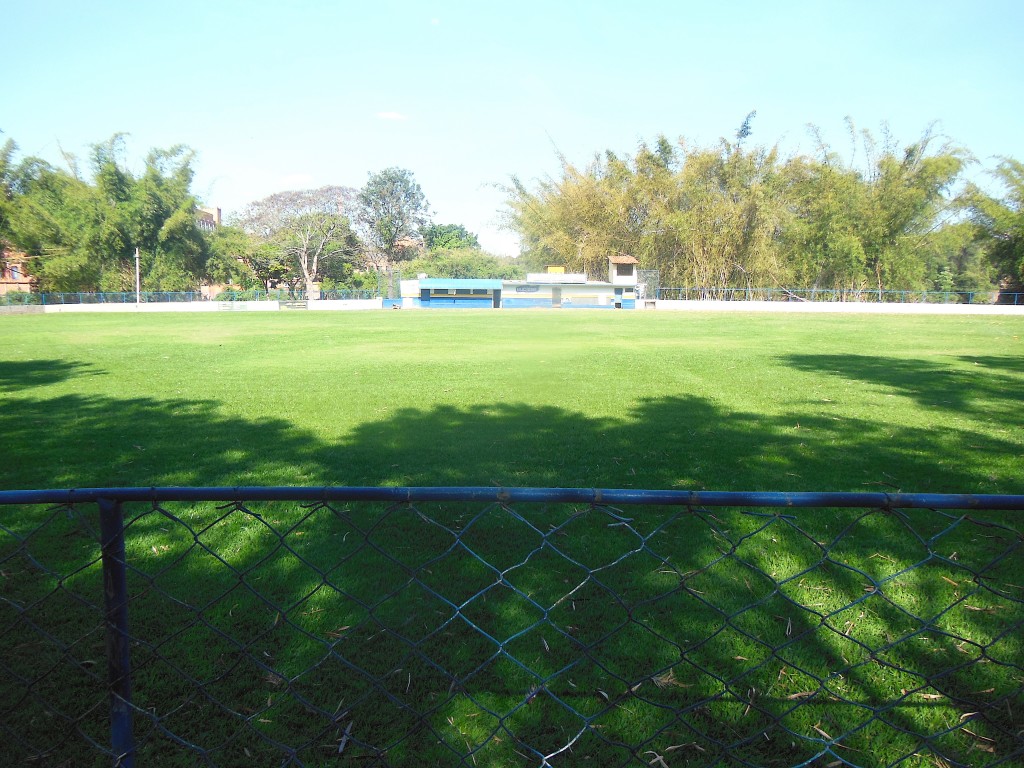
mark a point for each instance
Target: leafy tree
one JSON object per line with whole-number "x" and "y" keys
{"x": 859, "y": 227}
{"x": 57, "y": 219}
{"x": 579, "y": 219}
{"x": 823, "y": 244}
{"x": 84, "y": 234}
{"x": 238, "y": 258}
{"x": 705, "y": 217}
{"x": 308, "y": 228}
{"x": 446, "y": 237}
{"x": 465, "y": 263}
{"x": 731, "y": 211}
{"x": 163, "y": 220}
{"x": 392, "y": 211}
{"x": 7, "y": 185}
{"x": 737, "y": 215}
{"x": 1002, "y": 220}
{"x": 955, "y": 259}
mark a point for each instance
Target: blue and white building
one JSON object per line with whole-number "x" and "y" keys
{"x": 553, "y": 288}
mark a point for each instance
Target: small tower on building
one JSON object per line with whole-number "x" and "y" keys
{"x": 622, "y": 269}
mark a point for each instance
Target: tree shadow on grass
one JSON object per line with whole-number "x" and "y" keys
{"x": 95, "y": 441}
{"x": 16, "y": 375}
{"x": 1010, "y": 363}
{"x": 452, "y": 625}
{"x": 672, "y": 442}
{"x": 995, "y": 390}
{"x": 680, "y": 442}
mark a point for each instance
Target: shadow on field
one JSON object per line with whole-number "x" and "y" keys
{"x": 1012, "y": 363}
{"x": 995, "y": 390}
{"x": 672, "y": 442}
{"x": 16, "y": 375}
{"x": 375, "y": 591}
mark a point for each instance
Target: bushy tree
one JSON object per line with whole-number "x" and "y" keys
{"x": 238, "y": 258}
{"x": 392, "y": 211}
{"x": 868, "y": 225}
{"x": 739, "y": 215}
{"x": 1002, "y": 221}
{"x": 704, "y": 217}
{"x": 83, "y": 234}
{"x": 7, "y": 185}
{"x": 308, "y": 229}
{"x": 447, "y": 237}
{"x": 955, "y": 259}
{"x": 465, "y": 263}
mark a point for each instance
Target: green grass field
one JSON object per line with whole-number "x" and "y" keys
{"x": 602, "y": 399}
{"x": 633, "y": 400}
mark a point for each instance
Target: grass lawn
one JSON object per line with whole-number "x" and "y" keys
{"x": 591, "y": 399}
{"x": 607, "y": 628}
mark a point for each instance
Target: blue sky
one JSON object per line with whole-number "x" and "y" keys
{"x": 276, "y": 96}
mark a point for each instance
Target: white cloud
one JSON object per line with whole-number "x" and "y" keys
{"x": 392, "y": 116}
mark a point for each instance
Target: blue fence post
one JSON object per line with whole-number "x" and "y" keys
{"x": 115, "y": 595}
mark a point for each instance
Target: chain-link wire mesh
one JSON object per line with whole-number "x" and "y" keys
{"x": 516, "y": 633}
{"x": 648, "y": 281}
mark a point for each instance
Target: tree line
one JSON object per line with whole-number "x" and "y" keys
{"x": 80, "y": 226}
{"x": 880, "y": 216}
{"x": 885, "y": 216}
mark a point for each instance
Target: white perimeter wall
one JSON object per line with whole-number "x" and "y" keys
{"x": 346, "y": 304}
{"x": 170, "y": 306}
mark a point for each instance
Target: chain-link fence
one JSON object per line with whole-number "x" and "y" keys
{"x": 858, "y": 295}
{"x": 479, "y": 627}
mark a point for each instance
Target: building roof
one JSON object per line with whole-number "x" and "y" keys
{"x": 556, "y": 278}
{"x": 623, "y": 258}
{"x": 452, "y": 282}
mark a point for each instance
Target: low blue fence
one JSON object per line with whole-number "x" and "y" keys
{"x": 486, "y": 626}
{"x": 690, "y": 294}
{"x": 148, "y": 297}
{"x": 705, "y": 293}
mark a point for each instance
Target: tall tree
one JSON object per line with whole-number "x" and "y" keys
{"x": 1002, "y": 220}
{"x": 704, "y": 217}
{"x": 84, "y": 234}
{"x": 7, "y": 185}
{"x": 238, "y": 258}
{"x": 467, "y": 263}
{"x": 391, "y": 212}
{"x": 446, "y": 237}
{"x": 309, "y": 227}
{"x": 736, "y": 214}
{"x": 730, "y": 213}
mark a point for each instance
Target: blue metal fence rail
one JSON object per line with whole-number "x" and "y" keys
{"x": 865, "y": 295}
{"x": 179, "y": 297}
{"x": 979, "y": 727}
{"x": 696, "y": 293}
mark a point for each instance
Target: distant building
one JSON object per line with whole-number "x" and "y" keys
{"x": 551, "y": 288}
{"x": 14, "y": 273}
{"x": 622, "y": 269}
{"x": 208, "y": 219}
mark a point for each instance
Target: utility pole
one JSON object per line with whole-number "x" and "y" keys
{"x": 138, "y": 284}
